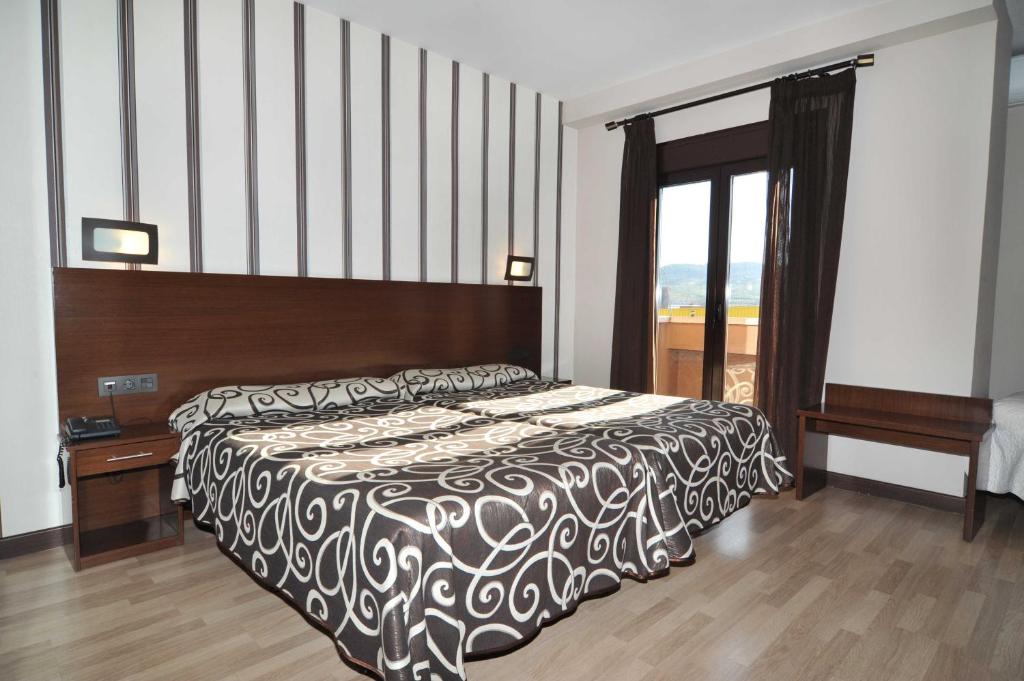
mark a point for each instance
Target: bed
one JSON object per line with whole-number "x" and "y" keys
{"x": 415, "y": 534}
{"x": 1001, "y": 458}
{"x": 422, "y": 521}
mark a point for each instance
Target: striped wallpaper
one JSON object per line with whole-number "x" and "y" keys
{"x": 266, "y": 137}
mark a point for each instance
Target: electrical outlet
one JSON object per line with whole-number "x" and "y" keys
{"x": 129, "y": 384}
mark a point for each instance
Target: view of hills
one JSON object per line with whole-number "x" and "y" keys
{"x": 684, "y": 284}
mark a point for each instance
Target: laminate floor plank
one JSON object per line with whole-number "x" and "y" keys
{"x": 841, "y": 587}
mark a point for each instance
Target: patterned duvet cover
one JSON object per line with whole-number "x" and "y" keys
{"x": 712, "y": 456}
{"x": 422, "y": 525}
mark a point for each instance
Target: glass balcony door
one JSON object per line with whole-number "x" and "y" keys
{"x": 748, "y": 205}
{"x": 684, "y": 233}
{"x": 711, "y": 231}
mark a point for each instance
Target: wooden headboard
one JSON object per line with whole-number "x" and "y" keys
{"x": 199, "y": 331}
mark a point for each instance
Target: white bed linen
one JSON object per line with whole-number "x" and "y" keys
{"x": 1001, "y": 461}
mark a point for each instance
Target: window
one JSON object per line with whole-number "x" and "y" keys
{"x": 711, "y": 230}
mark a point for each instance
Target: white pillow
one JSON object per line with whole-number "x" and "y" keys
{"x": 252, "y": 400}
{"x": 413, "y": 382}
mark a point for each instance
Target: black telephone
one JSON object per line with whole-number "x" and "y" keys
{"x": 80, "y": 428}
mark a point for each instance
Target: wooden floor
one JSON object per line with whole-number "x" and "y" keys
{"x": 840, "y": 587}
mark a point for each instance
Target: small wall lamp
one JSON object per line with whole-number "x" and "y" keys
{"x": 519, "y": 268}
{"x": 119, "y": 241}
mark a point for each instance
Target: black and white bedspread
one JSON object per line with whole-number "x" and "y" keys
{"x": 712, "y": 456}
{"x": 417, "y": 534}
{"x": 451, "y": 512}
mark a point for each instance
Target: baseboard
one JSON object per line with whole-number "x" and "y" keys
{"x": 877, "y": 488}
{"x": 30, "y": 542}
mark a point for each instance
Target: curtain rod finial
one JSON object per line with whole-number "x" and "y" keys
{"x": 611, "y": 125}
{"x": 865, "y": 60}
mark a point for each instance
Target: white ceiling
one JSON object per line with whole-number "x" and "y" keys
{"x": 568, "y": 48}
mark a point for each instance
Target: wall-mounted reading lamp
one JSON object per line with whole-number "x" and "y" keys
{"x": 518, "y": 268}
{"x": 119, "y": 241}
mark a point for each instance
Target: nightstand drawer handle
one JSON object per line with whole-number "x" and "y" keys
{"x": 140, "y": 455}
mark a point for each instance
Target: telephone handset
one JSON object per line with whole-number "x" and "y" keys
{"x": 80, "y": 428}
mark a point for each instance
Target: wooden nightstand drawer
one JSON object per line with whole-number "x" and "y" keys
{"x": 126, "y": 456}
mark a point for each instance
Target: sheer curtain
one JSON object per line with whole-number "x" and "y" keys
{"x": 810, "y": 123}
{"x": 633, "y": 331}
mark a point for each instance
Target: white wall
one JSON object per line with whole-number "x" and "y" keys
{"x": 1008, "y": 341}
{"x": 1000, "y": 73}
{"x": 909, "y": 271}
{"x": 907, "y": 297}
{"x": 92, "y": 149}
{"x": 28, "y": 401}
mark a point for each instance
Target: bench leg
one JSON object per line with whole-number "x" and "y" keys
{"x": 811, "y": 461}
{"x": 799, "y": 472}
{"x": 974, "y": 505}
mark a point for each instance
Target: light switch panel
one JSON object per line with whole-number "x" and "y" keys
{"x": 129, "y": 384}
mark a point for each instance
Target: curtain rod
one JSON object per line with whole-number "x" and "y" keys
{"x": 860, "y": 61}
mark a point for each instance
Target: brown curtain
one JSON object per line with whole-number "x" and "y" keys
{"x": 633, "y": 331}
{"x": 810, "y": 122}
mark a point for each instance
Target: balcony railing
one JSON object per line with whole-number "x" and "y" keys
{"x": 680, "y": 353}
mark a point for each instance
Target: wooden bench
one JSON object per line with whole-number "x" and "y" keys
{"x": 940, "y": 423}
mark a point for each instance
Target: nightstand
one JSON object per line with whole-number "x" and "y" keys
{"x": 121, "y": 495}
{"x": 563, "y": 381}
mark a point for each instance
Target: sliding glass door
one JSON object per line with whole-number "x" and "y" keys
{"x": 711, "y": 231}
